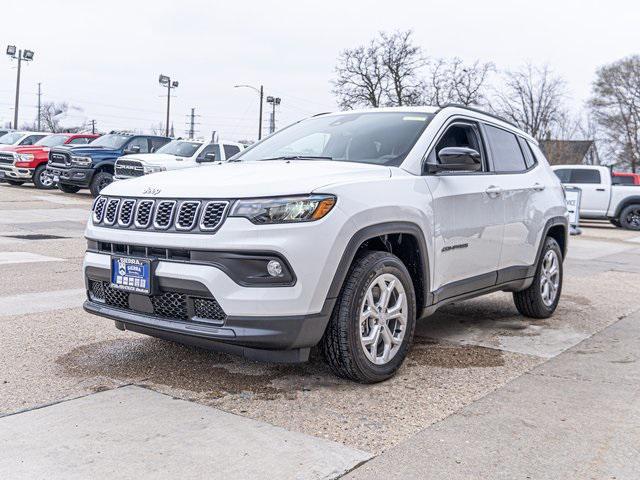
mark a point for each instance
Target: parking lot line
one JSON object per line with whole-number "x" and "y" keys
{"x": 25, "y": 257}
{"x": 37, "y": 302}
{"x": 12, "y": 217}
{"x": 132, "y": 432}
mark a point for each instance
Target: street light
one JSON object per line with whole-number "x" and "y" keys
{"x": 20, "y": 55}
{"x": 273, "y": 101}
{"x": 165, "y": 81}
{"x": 260, "y": 92}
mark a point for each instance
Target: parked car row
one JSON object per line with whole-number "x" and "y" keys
{"x": 72, "y": 162}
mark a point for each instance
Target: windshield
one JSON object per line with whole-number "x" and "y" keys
{"x": 381, "y": 138}
{"x": 180, "y": 148}
{"x": 52, "y": 140}
{"x": 111, "y": 141}
{"x": 11, "y": 138}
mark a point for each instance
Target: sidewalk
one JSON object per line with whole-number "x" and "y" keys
{"x": 576, "y": 416}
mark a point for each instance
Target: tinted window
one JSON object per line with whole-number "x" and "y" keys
{"x": 211, "y": 148}
{"x": 141, "y": 142}
{"x": 564, "y": 174}
{"x": 584, "y": 176}
{"x": 529, "y": 158}
{"x": 156, "y": 143}
{"x": 622, "y": 180}
{"x": 507, "y": 155}
{"x": 230, "y": 151}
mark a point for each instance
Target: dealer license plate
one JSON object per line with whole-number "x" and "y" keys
{"x": 131, "y": 274}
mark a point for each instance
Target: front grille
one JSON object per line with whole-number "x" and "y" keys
{"x": 129, "y": 168}
{"x": 167, "y": 215}
{"x": 126, "y": 213}
{"x": 59, "y": 158}
{"x": 111, "y": 211}
{"x": 171, "y": 305}
{"x": 164, "y": 214}
{"x": 213, "y": 215}
{"x": 6, "y": 158}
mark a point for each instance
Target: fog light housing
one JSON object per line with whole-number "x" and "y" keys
{"x": 274, "y": 268}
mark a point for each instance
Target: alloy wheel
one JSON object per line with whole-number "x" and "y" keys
{"x": 45, "y": 180}
{"x": 550, "y": 277}
{"x": 633, "y": 217}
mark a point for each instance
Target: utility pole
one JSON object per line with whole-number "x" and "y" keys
{"x": 165, "y": 81}
{"x": 192, "y": 123}
{"x": 27, "y": 56}
{"x": 273, "y": 101}
{"x": 39, "y": 105}
{"x": 260, "y": 92}
{"x": 93, "y": 127}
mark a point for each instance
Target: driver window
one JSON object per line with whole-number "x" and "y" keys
{"x": 459, "y": 135}
{"x": 211, "y": 148}
{"x": 139, "y": 142}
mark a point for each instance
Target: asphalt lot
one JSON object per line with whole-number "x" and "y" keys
{"x": 52, "y": 351}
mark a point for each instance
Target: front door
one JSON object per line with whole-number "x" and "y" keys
{"x": 468, "y": 219}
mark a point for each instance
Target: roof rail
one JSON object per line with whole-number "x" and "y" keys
{"x": 477, "y": 110}
{"x": 321, "y": 113}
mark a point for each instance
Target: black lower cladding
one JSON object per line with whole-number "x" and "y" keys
{"x": 168, "y": 304}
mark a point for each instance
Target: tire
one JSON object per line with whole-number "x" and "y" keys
{"x": 99, "y": 181}
{"x": 343, "y": 342}
{"x": 630, "y": 217}
{"x": 615, "y": 222}
{"x": 15, "y": 183}
{"x": 40, "y": 178}
{"x": 68, "y": 188}
{"x": 533, "y": 302}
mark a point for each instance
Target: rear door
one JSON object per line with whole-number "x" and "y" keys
{"x": 468, "y": 218}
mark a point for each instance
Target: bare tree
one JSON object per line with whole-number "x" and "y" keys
{"x": 453, "y": 81}
{"x": 532, "y": 98}
{"x": 52, "y": 115}
{"x": 615, "y": 104}
{"x": 402, "y": 61}
{"x": 361, "y": 77}
{"x": 157, "y": 129}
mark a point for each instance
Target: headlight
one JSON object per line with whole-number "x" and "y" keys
{"x": 284, "y": 209}
{"x": 81, "y": 161}
{"x": 25, "y": 157}
{"x": 154, "y": 169}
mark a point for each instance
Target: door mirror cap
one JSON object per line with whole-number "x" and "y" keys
{"x": 208, "y": 157}
{"x": 456, "y": 159}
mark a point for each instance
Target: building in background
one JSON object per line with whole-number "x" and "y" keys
{"x": 570, "y": 152}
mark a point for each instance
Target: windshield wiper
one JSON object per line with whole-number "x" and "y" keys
{"x": 298, "y": 157}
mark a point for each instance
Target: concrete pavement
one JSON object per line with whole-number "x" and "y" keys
{"x": 576, "y": 416}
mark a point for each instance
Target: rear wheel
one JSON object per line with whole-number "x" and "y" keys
{"x": 541, "y": 298}
{"x": 630, "y": 217}
{"x": 100, "y": 180}
{"x": 68, "y": 188}
{"x": 371, "y": 327}
{"x": 40, "y": 178}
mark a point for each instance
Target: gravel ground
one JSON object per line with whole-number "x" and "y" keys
{"x": 60, "y": 354}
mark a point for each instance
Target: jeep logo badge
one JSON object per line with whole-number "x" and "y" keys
{"x": 151, "y": 190}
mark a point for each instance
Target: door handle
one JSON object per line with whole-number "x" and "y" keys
{"x": 599, "y": 189}
{"x": 493, "y": 191}
{"x": 538, "y": 187}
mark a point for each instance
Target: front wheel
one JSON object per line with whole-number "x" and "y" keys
{"x": 41, "y": 179}
{"x": 372, "y": 324}
{"x": 630, "y": 217}
{"x": 100, "y": 180}
{"x": 541, "y": 298}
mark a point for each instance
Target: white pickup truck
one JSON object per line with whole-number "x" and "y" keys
{"x": 175, "y": 155}
{"x": 620, "y": 204}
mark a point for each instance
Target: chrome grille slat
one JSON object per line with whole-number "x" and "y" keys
{"x": 111, "y": 212}
{"x": 213, "y": 214}
{"x": 163, "y": 216}
{"x": 143, "y": 213}
{"x": 187, "y": 215}
{"x": 125, "y": 216}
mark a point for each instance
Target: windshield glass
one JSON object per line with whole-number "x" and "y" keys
{"x": 11, "y": 138}
{"x": 52, "y": 140}
{"x": 180, "y": 148}
{"x": 111, "y": 141}
{"x": 381, "y": 138}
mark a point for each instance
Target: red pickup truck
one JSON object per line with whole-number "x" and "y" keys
{"x": 28, "y": 163}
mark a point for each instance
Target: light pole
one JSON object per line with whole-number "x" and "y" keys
{"x": 165, "y": 81}
{"x": 260, "y": 92}
{"x": 20, "y": 55}
{"x": 273, "y": 101}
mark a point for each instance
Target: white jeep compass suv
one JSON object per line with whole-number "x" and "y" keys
{"x": 339, "y": 231}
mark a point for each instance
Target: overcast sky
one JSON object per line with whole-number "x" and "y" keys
{"x": 106, "y": 60}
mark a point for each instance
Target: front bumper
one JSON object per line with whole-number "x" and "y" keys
{"x": 11, "y": 172}
{"x": 80, "y": 177}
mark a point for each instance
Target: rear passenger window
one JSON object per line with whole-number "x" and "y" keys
{"x": 507, "y": 154}
{"x": 579, "y": 175}
{"x": 230, "y": 151}
{"x": 156, "y": 143}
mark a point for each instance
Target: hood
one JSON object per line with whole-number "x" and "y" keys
{"x": 31, "y": 149}
{"x": 247, "y": 179}
{"x": 155, "y": 158}
{"x": 8, "y": 148}
{"x": 88, "y": 150}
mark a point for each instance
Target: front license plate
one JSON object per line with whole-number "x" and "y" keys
{"x": 131, "y": 274}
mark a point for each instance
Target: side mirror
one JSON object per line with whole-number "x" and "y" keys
{"x": 456, "y": 159}
{"x": 134, "y": 149}
{"x": 208, "y": 157}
